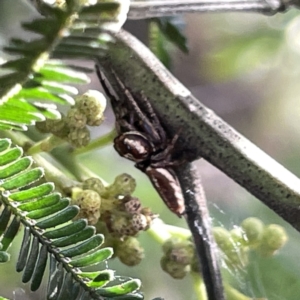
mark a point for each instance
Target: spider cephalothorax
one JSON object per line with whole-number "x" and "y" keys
{"x": 134, "y": 146}
{"x": 142, "y": 139}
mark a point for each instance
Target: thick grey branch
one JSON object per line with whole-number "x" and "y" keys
{"x": 202, "y": 132}
{"x": 198, "y": 220}
{"x": 151, "y": 9}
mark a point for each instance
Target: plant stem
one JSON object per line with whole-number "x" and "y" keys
{"x": 53, "y": 174}
{"x": 156, "y": 9}
{"x": 199, "y": 286}
{"x": 100, "y": 142}
{"x": 198, "y": 220}
{"x": 233, "y": 294}
{"x": 45, "y": 145}
{"x": 178, "y": 231}
{"x": 158, "y": 231}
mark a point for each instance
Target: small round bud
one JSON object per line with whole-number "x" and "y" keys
{"x": 88, "y": 199}
{"x": 132, "y": 205}
{"x": 94, "y": 184}
{"x": 181, "y": 251}
{"x": 274, "y": 237}
{"x": 237, "y": 236}
{"x": 92, "y": 103}
{"x": 235, "y": 255}
{"x": 79, "y": 137}
{"x": 75, "y": 118}
{"x": 237, "y": 258}
{"x": 58, "y": 128}
{"x": 130, "y": 252}
{"x": 124, "y": 185}
{"x": 253, "y": 228}
{"x": 75, "y": 191}
{"x": 146, "y": 211}
{"x": 121, "y": 226}
{"x": 89, "y": 203}
{"x": 168, "y": 245}
{"x": 222, "y": 237}
{"x": 95, "y": 120}
{"x": 139, "y": 222}
{"x": 42, "y": 127}
{"x": 177, "y": 271}
{"x": 118, "y": 225}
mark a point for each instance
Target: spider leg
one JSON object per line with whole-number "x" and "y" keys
{"x": 143, "y": 120}
{"x": 125, "y": 126}
{"x": 104, "y": 85}
{"x": 120, "y": 111}
{"x": 152, "y": 116}
{"x": 164, "y": 159}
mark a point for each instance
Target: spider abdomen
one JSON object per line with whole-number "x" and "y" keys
{"x": 168, "y": 188}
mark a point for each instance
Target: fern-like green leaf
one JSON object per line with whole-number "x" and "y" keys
{"x": 50, "y": 234}
{"x": 67, "y": 230}
{"x": 171, "y": 28}
{"x": 15, "y": 167}
{"x": 165, "y": 32}
{"x": 93, "y": 258}
{"x": 4, "y": 220}
{"x": 121, "y": 289}
{"x": 42, "y": 202}
{"x": 101, "y": 279}
{"x": 24, "y": 249}
{"x": 10, "y": 233}
{"x": 85, "y": 247}
{"x": 30, "y": 83}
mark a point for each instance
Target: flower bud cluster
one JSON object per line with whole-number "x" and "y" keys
{"x": 129, "y": 251}
{"x": 116, "y": 214}
{"x": 89, "y": 203}
{"x": 252, "y": 235}
{"x": 265, "y": 239}
{"x": 179, "y": 256}
{"x": 88, "y": 110}
{"x": 128, "y": 217}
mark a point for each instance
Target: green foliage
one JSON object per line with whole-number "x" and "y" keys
{"x": 165, "y": 32}
{"x": 245, "y": 54}
{"x": 171, "y": 28}
{"x": 51, "y": 234}
{"x": 261, "y": 47}
{"x": 30, "y": 82}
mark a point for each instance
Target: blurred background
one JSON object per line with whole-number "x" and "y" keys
{"x": 246, "y": 68}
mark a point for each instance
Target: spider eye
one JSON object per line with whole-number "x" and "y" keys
{"x": 133, "y": 146}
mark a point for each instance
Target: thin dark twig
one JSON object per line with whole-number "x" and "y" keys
{"x": 198, "y": 220}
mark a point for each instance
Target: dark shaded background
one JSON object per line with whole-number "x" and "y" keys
{"x": 247, "y": 69}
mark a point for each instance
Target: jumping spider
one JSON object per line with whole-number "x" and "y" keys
{"x": 142, "y": 139}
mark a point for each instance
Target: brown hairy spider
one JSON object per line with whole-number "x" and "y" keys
{"x": 142, "y": 139}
